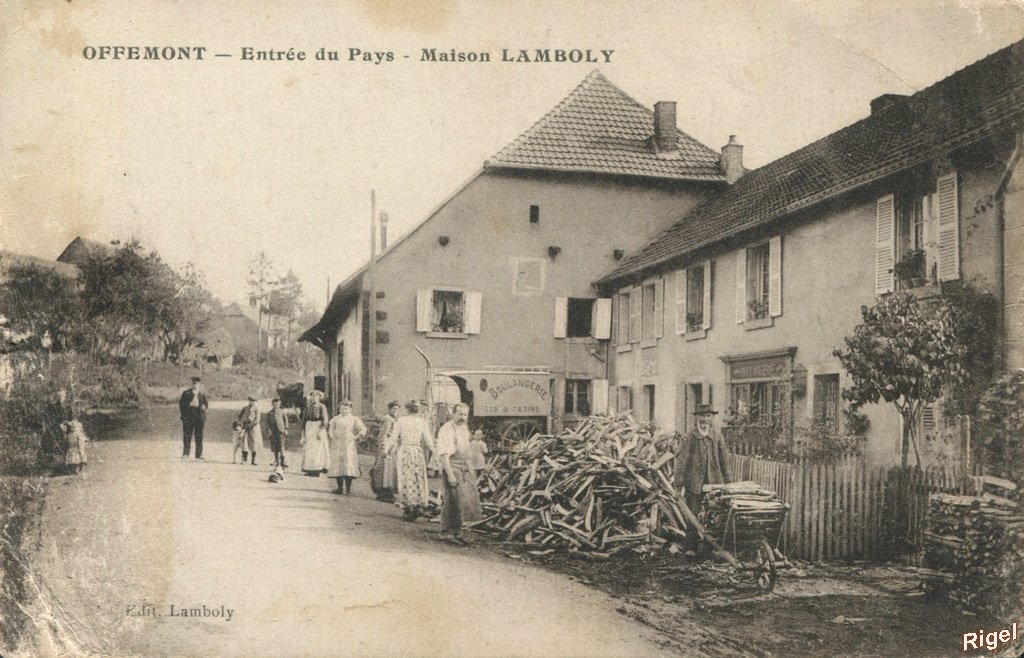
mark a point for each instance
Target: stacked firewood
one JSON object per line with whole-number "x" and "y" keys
{"x": 762, "y": 511}
{"x": 598, "y": 488}
{"x": 977, "y": 544}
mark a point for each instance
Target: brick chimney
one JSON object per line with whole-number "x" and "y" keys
{"x": 732, "y": 160}
{"x": 665, "y": 133}
{"x": 885, "y": 101}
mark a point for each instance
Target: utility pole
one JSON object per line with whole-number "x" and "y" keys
{"x": 371, "y": 366}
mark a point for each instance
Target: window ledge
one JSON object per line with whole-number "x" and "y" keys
{"x": 760, "y": 323}
{"x": 696, "y": 335}
{"x": 649, "y": 343}
{"x": 583, "y": 340}
{"x": 443, "y": 334}
{"x": 925, "y": 291}
{"x": 623, "y": 348}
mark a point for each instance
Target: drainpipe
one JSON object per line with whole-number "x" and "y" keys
{"x": 1000, "y": 255}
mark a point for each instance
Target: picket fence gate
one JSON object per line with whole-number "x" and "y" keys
{"x": 846, "y": 510}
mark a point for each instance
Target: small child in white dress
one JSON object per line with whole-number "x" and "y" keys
{"x": 479, "y": 461}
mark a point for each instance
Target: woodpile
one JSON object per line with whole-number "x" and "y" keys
{"x": 762, "y": 512}
{"x": 977, "y": 545}
{"x": 599, "y": 488}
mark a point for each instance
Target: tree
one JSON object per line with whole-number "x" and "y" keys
{"x": 39, "y": 301}
{"x": 285, "y": 299}
{"x": 187, "y": 315}
{"x": 261, "y": 282}
{"x": 906, "y": 353}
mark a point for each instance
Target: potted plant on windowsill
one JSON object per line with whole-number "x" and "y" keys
{"x": 758, "y": 309}
{"x": 694, "y": 321}
{"x": 909, "y": 270}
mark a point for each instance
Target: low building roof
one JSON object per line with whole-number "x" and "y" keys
{"x": 600, "y": 129}
{"x": 974, "y": 103}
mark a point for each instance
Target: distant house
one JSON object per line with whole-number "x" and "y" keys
{"x": 499, "y": 275}
{"x": 763, "y": 281}
{"x": 242, "y": 329}
{"x": 80, "y": 249}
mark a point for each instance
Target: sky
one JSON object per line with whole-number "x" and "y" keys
{"x": 213, "y": 161}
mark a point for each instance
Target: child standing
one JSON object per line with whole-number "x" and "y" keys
{"x": 237, "y": 436}
{"x": 478, "y": 461}
{"x": 277, "y": 426}
{"x": 249, "y": 419}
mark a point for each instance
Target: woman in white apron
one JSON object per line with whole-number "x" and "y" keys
{"x": 314, "y": 436}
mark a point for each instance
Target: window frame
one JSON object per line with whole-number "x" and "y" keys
{"x": 573, "y": 388}
{"x": 517, "y": 267}
{"x": 471, "y": 309}
{"x": 759, "y": 282}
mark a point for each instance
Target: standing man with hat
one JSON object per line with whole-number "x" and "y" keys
{"x": 702, "y": 459}
{"x": 193, "y": 405}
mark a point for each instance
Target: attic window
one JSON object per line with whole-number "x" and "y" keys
{"x": 535, "y": 214}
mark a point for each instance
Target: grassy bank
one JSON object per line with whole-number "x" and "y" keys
{"x": 164, "y": 382}
{"x": 21, "y": 504}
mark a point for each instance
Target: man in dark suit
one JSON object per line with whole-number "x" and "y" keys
{"x": 702, "y": 460}
{"x": 193, "y": 405}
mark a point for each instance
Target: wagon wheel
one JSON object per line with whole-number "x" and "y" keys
{"x": 764, "y": 569}
{"x": 518, "y": 431}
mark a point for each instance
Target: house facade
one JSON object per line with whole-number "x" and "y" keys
{"x": 498, "y": 278}
{"x": 741, "y": 302}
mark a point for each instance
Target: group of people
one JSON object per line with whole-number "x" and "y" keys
{"x": 407, "y": 449}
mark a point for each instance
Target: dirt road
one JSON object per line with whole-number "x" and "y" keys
{"x": 287, "y": 569}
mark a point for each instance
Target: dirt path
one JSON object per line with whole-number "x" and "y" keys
{"x": 300, "y": 571}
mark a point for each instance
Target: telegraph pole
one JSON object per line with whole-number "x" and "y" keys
{"x": 371, "y": 366}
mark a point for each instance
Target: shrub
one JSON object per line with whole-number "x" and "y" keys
{"x": 1001, "y": 426}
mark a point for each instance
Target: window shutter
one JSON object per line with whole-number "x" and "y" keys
{"x": 928, "y": 418}
{"x": 706, "y": 322}
{"x": 775, "y": 276}
{"x": 624, "y": 318}
{"x": 635, "y": 308}
{"x": 680, "y": 302}
{"x": 741, "y": 286}
{"x": 885, "y": 226}
{"x": 561, "y": 316}
{"x": 473, "y": 305}
{"x": 603, "y": 319}
{"x": 424, "y": 303}
{"x": 949, "y": 228}
{"x": 659, "y": 308}
{"x": 599, "y": 396}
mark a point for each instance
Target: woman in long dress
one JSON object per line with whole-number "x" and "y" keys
{"x": 343, "y": 431}
{"x": 382, "y": 475}
{"x": 413, "y": 443}
{"x": 314, "y": 436}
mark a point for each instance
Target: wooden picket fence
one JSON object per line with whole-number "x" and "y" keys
{"x": 846, "y": 510}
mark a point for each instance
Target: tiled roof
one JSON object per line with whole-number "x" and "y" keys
{"x": 598, "y": 128}
{"x": 973, "y": 103}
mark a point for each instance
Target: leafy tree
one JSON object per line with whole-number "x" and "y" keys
{"x": 39, "y": 300}
{"x": 906, "y": 353}
{"x": 188, "y": 315}
{"x": 128, "y": 295}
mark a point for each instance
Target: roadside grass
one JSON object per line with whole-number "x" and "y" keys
{"x": 164, "y": 382}
{"x": 21, "y": 504}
